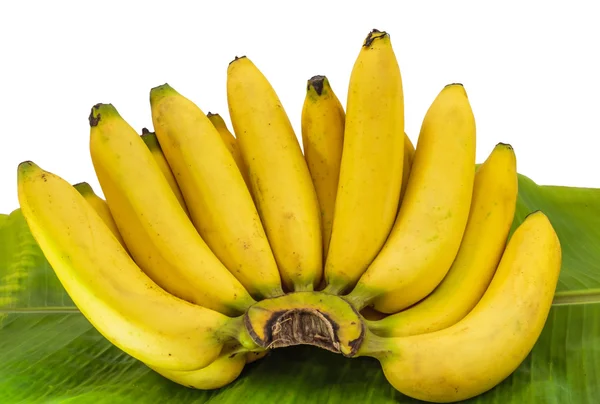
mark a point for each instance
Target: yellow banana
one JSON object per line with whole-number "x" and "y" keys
{"x": 371, "y": 166}
{"x": 279, "y": 176}
{"x": 492, "y": 211}
{"x": 231, "y": 144}
{"x": 111, "y": 291}
{"x": 101, "y": 207}
{"x": 322, "y": 125}
{"x": 152, "y": 142}
{"x": 224, "y": 370}
{"x": 432, "y": 219}
{"x": 220, "y": 204}
{"x": 486, "y": 346}
{"x": 159, "y": 235}
{"x": 409, "y": 155}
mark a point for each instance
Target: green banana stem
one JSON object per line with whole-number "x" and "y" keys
{"x": 235, "y": 329}
{"x": 374, "y": 346}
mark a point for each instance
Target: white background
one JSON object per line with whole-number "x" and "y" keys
{"x": 531, "y": 71}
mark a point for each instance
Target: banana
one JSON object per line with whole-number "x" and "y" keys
{"x": 159, "y": 235}
{"x": 486, "y": 346}
{"x": 101, "y": 208}
{"x": 492, "y": 211}
{"x": 152, "y": 142}
{"x": 224, "y": 370}
{"x": 432, "y": 219}
{"x": 279, "y": 176}
{"x": 111, "y": 291}
{"x": 371, "y": 166}
{"x": 409, "y": 155}
{"x": 231, "y": 143}
{"x": 220, "y": 204}
{"x": 322, "y": 126}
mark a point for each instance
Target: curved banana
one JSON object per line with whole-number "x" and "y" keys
{"x": 322, "y": 126}
{"x": 492, "y": 211}
{"x": 152, "y": 142}
{"x": 224, "y": 370}
{"x": 486, "y": 346}
{"x": 231, "y": 143}
{"x": 111, "y": 291}
{"x": 371, "y": 167}
{"x": 279, "y": 176}
{"x": 220, "y": 204}
{"x": 430, "y": 224}
{"x": 101, "y": 208}
{"x": 409, "y": 155}
{"x": 159, "y": 235}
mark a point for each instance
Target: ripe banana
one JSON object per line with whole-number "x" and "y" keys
{"x": 371, "y": 166}
{"x": 220, "y": 204}
{"x": 485, "y": 347}
{"x": 159, "y": 235}
{"x": 409, "y": 155}
{"x": 231, "y": 144}
{"x": 152, "y": 142}
{"x": 101, "y": 208}
{"x": 279, "y": 176}
{"x": 111, "y": 291}
{"x": 430, "y": 224}
{"x": 492, "y": 211}
{"x": 322, "y": 126}
{"x": 224, "y": 370}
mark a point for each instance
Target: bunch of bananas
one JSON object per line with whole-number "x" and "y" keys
{"x": 210, "y": 249}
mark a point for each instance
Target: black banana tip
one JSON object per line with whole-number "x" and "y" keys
{"x": 373, "y": 35}
{"x": 95, "y": 116}
{"x": 317, "y": 82}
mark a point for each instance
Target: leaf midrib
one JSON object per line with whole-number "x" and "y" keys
{"x": 566, "y": 298}
{"x": 575, "y": 297}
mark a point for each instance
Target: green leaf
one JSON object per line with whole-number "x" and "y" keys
{"x": 51, "y": 354}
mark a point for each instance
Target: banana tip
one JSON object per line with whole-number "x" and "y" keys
{"x": 98, "y": 111}
{"x": 160, "y": 91}
{"x": 373, "y": 35}
{"x": 83, "y": 188}
{"x": 237, "y": 58}
{"x": 316, "y": 82}
{"x": 534, "y": 213}
{"x": 25, "y": 168}
{"x": 505, "y": 146}
{"x": 94, "y": 117}
{"x": 145, "y": 131}
{"x": 457, "y": 87}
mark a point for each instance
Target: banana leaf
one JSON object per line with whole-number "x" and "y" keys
{"x": 49, "y": 352}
